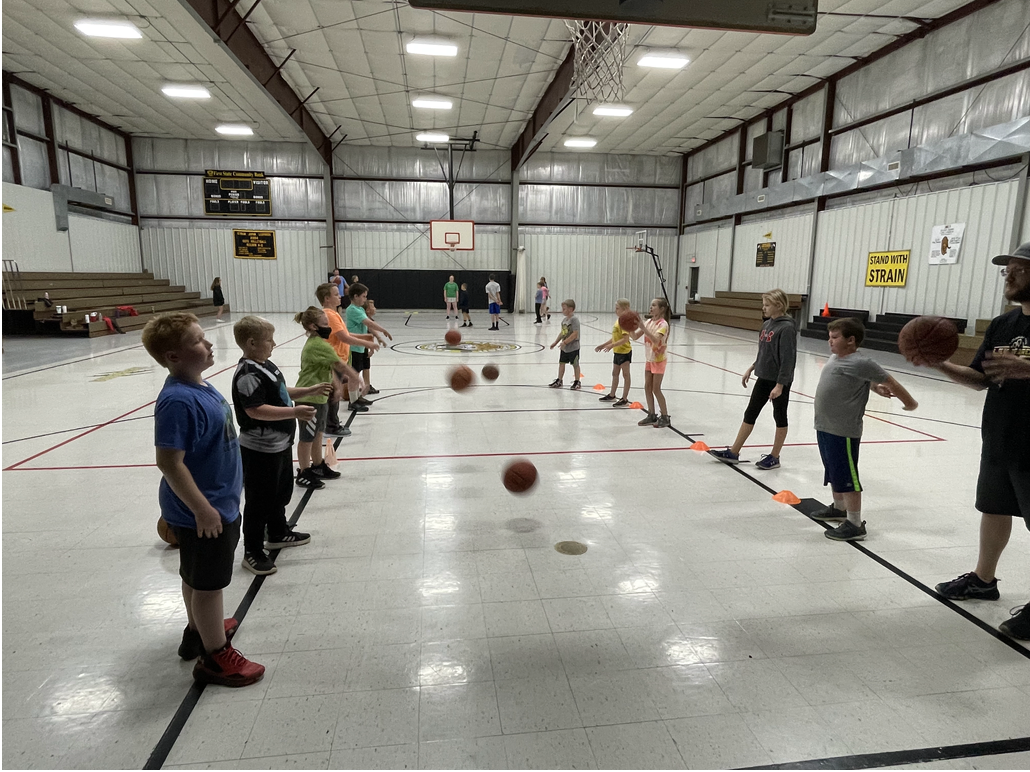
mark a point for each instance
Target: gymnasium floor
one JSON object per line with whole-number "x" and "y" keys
{"x": 431, "y": 623}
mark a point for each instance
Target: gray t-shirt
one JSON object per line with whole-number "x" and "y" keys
{"x": 843, "y": 392}
{"x": 568, "y": 326}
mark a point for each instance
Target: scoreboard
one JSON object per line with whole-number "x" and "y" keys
{"x": 237, "y": 194}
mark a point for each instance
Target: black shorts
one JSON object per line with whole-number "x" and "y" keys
{"x": 840, "y": 462}
{"x": 1002, "y": 490}
{"x": 206, "y": 564}
{"x": 760, "y": 396}
{"x": 622, "y": 359}
{"x": 359, "y": 360}
{"x": 569, "y": 357}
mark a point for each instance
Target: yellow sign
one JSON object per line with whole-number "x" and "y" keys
{"x": 257, "y": 245}
{"x": 887, "y": 269}
{"x": 8, "y": 208}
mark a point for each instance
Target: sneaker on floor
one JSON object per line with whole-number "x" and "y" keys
{"x": 847, "y": 531}
{"x": 227, "y": 667}
{"x": 291, "y": 539}
{"x": 324, "y": 471}
{"x": 1019, "y": 626}
{"x": 727, "y": 456}
{"x": 537, "y": 322}
{"x": 307, "y": 480}
{"x": 768, "y": 462}
{"x": 357, "y": 407}
{"x": 363, "y": 401}
{"x": 829, "y": 512}
{"x": 576, "y": 386}
{"x": 555, "y": 384}
{"x": 192, "y": 646}
{"x": 608, "y": 398}
{"x": 969, "y": 587}
{"x": 621, "y": 403}
{"x": 663, "y": 422}
{"x": 339, "y": 431}
{"x": 372, "y": 390}
{"x": 259, "y": 563}
{"x": 649, "y": 421}
{"x": 470, "y": 324}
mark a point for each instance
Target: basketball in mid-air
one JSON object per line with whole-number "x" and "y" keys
{"x": 461, "y": 378}
{"x": 166, "y": 533}
{"x": 629, "y": 321}
{"x": 931, "y": 339}
{"x": 519, "y": 476}
{"x": 453, "y": 337}
{"x": 490, "y": 372}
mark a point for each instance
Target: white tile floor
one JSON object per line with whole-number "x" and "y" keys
{"x": 431, "y": 623}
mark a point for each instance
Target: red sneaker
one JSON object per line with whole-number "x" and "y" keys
{"x": 192, "y": 647}
{"x": 227, "y": 667}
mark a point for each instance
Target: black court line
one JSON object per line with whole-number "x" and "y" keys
{"x": 71, "y": 362}
{"x": 914, "y": 756}
{"x": 164, "y": 745}
{"x": 79, "y": 429}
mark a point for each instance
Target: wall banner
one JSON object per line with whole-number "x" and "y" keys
{"x": 945, "y": 241}
{"x": 887, "y": 269}
{"x": 255, "y": 245}
{"x": 765, "y": 255}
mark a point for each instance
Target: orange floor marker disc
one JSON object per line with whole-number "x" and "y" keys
{"x": 699, "y": 446}
{"x": 599, "y": 387}
{"x": 786, "y": 497}
{"x": 636, "y": 405}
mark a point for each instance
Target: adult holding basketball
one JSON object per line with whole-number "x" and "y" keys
{"x": 1002, "y": 367}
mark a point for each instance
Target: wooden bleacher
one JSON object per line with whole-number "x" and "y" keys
{"x": 85, "y": 293}
{"x": 742, "y": 310}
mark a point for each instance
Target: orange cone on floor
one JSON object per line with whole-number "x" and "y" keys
{"x": 599, "y": 387}
{"x": 636, "y": 405}
{"x": 826, "y": 310}
{"x": 786, "y": 497}
{"x": 699, "y": 446}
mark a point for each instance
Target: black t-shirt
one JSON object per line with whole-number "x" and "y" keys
{"x": 1006, "y": 418}
{"x": 255, "y": 384}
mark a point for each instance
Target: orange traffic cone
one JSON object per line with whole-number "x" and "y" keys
{"x": 786, "y": 497}
{"x": 636, "y": 406}
{"x": 826, "y": 310}
{"x": 699, "y": 446}
{"x": 599, "y": 387}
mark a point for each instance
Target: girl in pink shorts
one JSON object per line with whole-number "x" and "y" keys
{"x": 656, "y": 335}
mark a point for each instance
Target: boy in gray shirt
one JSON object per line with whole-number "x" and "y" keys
{"x": 840, "y": 401}
{"x": 569, "y": 340}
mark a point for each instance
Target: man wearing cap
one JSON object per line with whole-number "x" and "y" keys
{"x": 1002, "y": 367}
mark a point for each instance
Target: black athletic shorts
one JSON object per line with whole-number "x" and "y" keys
{"x": 205, "y": 563}
{"x": 621, "y": 359}
{"x": 359, "y": 360}
{"x": 568, "y": 357}
{"x": 1002, "y": 490}
{"x": 760, "y": 396}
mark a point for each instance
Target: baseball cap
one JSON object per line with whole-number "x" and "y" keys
{"x": 1023, "y": 253}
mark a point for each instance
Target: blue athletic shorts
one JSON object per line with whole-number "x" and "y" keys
{"x": 840, "y": 462}
{"x": 495, "y": 308}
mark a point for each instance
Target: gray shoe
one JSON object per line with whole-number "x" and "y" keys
{"x": 664, "y": 422}
{"x": 649, "y": 421}
{"x": 829, "y": 513}
{"x": 847, "y": 531}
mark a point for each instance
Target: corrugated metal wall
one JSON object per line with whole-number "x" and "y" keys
{"x": 711, "y": 246}
{"x": 101, "y": 245}
{"x": 793, "y": 248}
{"x": 193, "y": 256}
{"x": 407, "y": 247}
{"x": 970, "y": 289}
{"x": 595, "y": 268}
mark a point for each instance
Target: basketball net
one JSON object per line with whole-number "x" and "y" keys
{"x": 599, "y": 56}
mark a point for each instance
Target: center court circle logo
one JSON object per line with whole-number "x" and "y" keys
{"x": 439, "y": 347}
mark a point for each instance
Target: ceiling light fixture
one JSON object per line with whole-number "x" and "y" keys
{"x": 432, "y": 103}
{"x": 430, "y": 47}
{"x": 185, "y": 92}
{"x": 614, "y": 111}
{"x": 580, "y": 142}
{"x": 100, "y": 28}
{"x": 234, "y": 129}
{"x": 667, "y": 61}
{"x": 432, "y": 137}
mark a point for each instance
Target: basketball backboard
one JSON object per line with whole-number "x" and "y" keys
{"x": 791, "y": 17}
{"x": 452, "y": 235}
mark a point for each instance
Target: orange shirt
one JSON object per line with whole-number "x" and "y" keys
{"x": 336, "y": 325}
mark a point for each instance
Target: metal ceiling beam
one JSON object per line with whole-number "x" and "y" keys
{"x": 238, "y": 39}
{"x": 558, "y": 96}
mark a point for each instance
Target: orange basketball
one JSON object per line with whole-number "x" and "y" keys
{"x": 933, "y": 339}
{"x": 453, "y": 337}
{"x": 519, "y": 476}
{"x": 461, "y": 378}
{"x": 490, "y": 372}
{"x": 629, "y": 321}
{"x": 166, "y": 533}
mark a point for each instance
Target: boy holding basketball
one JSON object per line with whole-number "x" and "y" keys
{"x": 568, "y": 337}
{"x": 622, "y": 347}
{"x": 199, "y": 455}
{"x": 840, "y": 401}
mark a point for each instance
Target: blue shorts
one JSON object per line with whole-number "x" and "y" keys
{"x": 840, "y": 462}
{"x": 495, "y": 309}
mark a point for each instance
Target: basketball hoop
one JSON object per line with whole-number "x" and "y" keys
{"x": 599, "y": 51}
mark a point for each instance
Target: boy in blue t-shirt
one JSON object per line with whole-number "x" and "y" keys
{"x": 359, "y": 323}
{"x": 199, "y": 455}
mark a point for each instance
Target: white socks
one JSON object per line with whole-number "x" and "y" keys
{"x": 855, "y": 518}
